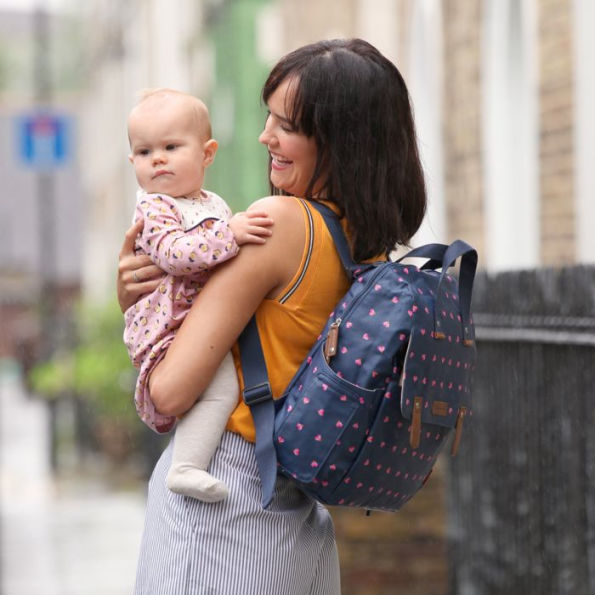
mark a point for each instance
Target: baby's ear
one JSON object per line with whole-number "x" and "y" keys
{"x": 130, "y": 158}
{"x": 210, "y": 148}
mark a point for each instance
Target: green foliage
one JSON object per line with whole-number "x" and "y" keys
{"x": 97, "y": 369}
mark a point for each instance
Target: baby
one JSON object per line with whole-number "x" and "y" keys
{"x": 187, "y": 231}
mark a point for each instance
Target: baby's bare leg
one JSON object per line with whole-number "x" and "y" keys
{"x": 198, "y": 435}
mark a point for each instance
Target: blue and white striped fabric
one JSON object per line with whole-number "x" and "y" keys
{"x": 235, "y": 547}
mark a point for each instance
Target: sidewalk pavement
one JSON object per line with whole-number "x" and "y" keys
{"x": 57, "y": 538}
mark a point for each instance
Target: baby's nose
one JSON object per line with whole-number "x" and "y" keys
{"x": 159, "y": 157}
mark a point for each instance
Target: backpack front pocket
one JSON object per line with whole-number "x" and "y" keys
{"x": 321, "y": 426}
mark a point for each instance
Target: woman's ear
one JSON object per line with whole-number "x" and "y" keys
{"x": 210, "y": 148}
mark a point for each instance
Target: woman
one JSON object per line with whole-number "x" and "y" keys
{"x": 339, "y": 130}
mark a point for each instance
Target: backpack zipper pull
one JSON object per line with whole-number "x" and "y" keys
{"x": 332, "y": 340}
{"x": 458, "y": 430}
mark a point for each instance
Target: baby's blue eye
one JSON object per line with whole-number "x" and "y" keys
{"x": 170, "y": 147}
{"x": 143, "y": 152}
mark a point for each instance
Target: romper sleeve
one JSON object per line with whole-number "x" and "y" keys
{"x": 178, "y": 251}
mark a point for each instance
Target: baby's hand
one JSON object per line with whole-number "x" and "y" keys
{"x": 251, "y": 227}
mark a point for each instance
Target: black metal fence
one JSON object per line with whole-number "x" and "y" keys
{"x": 522, "y": 489}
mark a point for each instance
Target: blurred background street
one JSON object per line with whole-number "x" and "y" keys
{"x": 502, "y": 93}
{"x": 68, "y": 535}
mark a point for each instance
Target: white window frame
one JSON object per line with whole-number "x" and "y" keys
{"x": 583, "y": 12}
{"x": 510, "y": 135}
{"x": 426, "y": 84}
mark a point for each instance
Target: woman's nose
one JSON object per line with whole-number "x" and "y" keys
{"x": 265, "y": 135}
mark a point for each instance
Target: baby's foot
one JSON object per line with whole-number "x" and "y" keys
{"x": 196, "y": 483}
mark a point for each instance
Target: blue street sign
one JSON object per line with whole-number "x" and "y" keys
{"x": 44, "y": 140}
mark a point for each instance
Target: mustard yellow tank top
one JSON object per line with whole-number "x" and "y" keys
{"x": 290, "y": 324}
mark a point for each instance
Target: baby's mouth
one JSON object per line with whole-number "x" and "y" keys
{"x": 161, "y": 172}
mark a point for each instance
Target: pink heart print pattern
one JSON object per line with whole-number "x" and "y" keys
{"x": 356, "y": 412}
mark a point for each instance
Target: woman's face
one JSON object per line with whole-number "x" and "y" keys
{"x": 293, "y": 154}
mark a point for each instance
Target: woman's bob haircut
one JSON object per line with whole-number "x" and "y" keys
{"x": 354, "y": 102}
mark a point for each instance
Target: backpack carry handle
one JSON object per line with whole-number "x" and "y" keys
{"x": 439, "y": 255}
{"x": 434, "y": 252}
{"x": 468, "y": 255}
{"x": 443, "y": 256}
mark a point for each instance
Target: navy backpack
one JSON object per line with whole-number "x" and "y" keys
{"x": 388, "y": 380}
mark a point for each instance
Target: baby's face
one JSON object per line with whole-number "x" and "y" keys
{"x": 168, "y": 148}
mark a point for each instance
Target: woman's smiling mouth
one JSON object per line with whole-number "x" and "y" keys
{"x": 278, "y": 162}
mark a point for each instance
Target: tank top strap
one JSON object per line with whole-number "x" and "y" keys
{"x": 294, "y": 284}
{"x": 289, "y": 324}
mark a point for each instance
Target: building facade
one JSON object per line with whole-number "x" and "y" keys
{"x": 500, "y": 91}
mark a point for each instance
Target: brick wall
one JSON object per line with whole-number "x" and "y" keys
{"x": 307, "y": 21}
{"x": 556, "y": 132}
{"x": 462, "y": 126}
{"x": 401, "y": 552}
{"x": 462, "y": 121}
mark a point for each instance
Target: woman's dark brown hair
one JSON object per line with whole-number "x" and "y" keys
{"x": 355, "y": 104}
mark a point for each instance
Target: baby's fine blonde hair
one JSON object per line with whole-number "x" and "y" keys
{"x": 200, "y": 111}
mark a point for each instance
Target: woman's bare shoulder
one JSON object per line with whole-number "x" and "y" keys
{"x": 287, "y": 215}
{"x": 282, "y": 205}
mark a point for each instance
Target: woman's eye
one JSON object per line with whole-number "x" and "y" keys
{"x": 283, "y": 123}
{"x": 287, "y": 126}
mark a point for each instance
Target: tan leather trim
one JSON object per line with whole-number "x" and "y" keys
{"x": 440, "y": 408}
{"x": 416, "y": 422}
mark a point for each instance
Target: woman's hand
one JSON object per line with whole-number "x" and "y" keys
{"x": 137, "y": 275}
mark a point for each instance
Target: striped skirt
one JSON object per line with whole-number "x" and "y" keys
{"x": 235, "y": 547}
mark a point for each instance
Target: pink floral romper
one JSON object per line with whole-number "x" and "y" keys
{"x": 186, "y": 237}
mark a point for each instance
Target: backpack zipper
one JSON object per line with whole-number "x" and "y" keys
{"x": 332, "y": 340}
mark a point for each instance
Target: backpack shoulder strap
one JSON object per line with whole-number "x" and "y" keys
{"x": 341, "y": 244}
{"x": 258, "y": 396}
{"x": 257, "y": 392}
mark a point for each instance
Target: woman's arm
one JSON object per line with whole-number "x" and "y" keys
{"x": 252, "y": 228}
{"x": 137, "y": 275}
{"x": 224, "y": 307}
